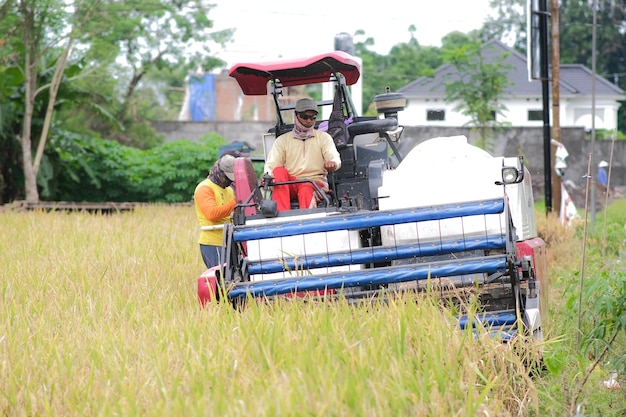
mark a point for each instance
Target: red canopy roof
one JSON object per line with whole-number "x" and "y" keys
{"x": 253, "y": 78}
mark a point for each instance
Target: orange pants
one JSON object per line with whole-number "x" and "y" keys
{"x": 282, "y": 194}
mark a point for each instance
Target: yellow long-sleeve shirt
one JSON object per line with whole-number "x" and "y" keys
{"x": 304, "y": 159}
{"x": 213, "y": 205}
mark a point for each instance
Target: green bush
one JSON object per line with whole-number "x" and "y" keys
{"x": 587, "y": 321}
{"x": 97, "y": 170}
{"x": 605, "y": 134}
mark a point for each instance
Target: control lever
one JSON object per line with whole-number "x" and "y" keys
{"x": 267, "y": 206}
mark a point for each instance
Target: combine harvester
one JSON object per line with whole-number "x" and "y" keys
{"x": 443, "y": 214}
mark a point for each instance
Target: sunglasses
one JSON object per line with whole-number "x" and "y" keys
{"x": 304, "y": 116}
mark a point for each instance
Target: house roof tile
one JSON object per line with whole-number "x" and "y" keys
{"x": 575, "y": 79}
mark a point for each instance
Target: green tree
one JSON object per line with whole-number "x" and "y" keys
{"x": 404, "y": 63}
{"x": 477, "y": 86}
{"x": 140, "y": 48}
{"x": 371, "y": 68}
{"x": 10, "y": 170}
{"x": 575, "y": 35}
{"x": 34, "y": 30}
{"x": 576, "y": 31}
{"x": 507, "y": 23}
{"x": 113, "y": 46}
{"x": 457, "y": 40}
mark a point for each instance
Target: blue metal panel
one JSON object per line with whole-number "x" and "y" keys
{"x": 202, "y": 98}
{"x": 378, "y": 276}
{"x": 501, "y": 324}
{"x": 366, "y": 219}
{"x": 501, "y": 318}
{"x": 374, "y": 255}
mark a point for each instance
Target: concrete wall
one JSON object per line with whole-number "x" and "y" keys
{"x": 250, "y": 132}
{"x": 525, "y": 141}
{"x": 528, "y": 142}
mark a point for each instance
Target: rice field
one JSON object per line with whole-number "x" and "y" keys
{"x": 99, "y": 317}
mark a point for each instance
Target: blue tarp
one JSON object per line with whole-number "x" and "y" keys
{"x": 243, "y": 147}
{"x": 202, "y": 98}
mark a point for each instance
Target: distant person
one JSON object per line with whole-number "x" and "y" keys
{"x": 214, "y": 201}
{"x": 303, "y": 153}
{"x": 602, "y": 176}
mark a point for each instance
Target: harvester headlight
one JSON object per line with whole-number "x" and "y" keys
{"x": 511, "y": 175}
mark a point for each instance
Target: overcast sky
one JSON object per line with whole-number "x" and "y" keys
{"x": 266, "y": 31}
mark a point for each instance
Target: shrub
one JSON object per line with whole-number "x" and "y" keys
{"x": 96, "y": 170}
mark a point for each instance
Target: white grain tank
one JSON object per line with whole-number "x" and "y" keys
{"x": 448, "y": 170}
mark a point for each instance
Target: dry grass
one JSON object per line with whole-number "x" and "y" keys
{"x": 99, "y": 317}
{"x": 562, "y": 246}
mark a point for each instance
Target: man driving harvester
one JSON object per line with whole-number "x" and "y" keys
{"x": 303, "y": 153}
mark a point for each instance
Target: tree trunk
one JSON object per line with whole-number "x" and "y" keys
{"x": 137, "y": 76}
{"x": 30, "y": 80}
{"x": 54, "y": 88}
{"x": 30, "y": 177}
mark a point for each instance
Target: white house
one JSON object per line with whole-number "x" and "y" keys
{"x": 426, "y": 105}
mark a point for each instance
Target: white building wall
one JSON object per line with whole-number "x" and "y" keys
{"x": 578, "y": 113}
{"x": 415, "y": 113}
{"x": 517, "y": 111}
{"x": 573, "y": 112}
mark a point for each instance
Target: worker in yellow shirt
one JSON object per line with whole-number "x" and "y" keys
{"x": 214, "y": 201}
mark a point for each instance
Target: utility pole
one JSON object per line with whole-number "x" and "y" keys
{"x": 592, "y": 197}
{"x": 556, "y": 116}
{"x": 545, "y": 88}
